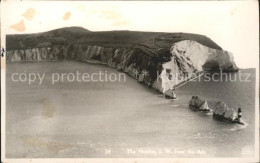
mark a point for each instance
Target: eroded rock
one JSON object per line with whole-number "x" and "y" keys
{"x": 222, "y": 112}
{"x": 188, "y": 59}
{"x": 163, "y": 70}
{"x": 199, "y": 104}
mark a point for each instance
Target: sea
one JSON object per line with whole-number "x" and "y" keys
{"x": 122, "y": 118}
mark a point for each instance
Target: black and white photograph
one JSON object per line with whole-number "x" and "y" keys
{"x": 130, "y": 81}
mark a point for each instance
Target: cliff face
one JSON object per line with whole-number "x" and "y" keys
{"x": 132, "y": 60}
{"x": 189, "y": 58}
{"x": 159, "y": 61}
{"x": 52, "y": 53}
{"x": 203, "y": 57}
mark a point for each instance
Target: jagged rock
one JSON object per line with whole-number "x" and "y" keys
{"x": 197, "y": 103}
{"x": 169, "y": 93}
{"x": 189, "y": 58}
{"x": 204, "y": 106}
{"x": 222, "y": 112}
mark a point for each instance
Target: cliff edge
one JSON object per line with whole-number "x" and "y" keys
{"x": 160, "y": 60}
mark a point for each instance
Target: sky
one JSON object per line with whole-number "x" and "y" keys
{"x": 233, "y": 25}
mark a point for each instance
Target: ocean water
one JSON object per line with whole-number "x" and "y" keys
{"x": 121, "y": 119}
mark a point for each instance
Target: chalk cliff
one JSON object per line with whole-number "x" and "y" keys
{"x": 223, "y": 112}
{"x": 163, "y": 68}
{"x": 52, "y": 53}
{"x": 188, "y": 59}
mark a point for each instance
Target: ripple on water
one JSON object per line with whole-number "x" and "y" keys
{"x": 239, "y": 126}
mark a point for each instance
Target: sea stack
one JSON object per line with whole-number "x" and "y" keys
{"x": 198, "y": 104}
{"x": 222, "y": 112}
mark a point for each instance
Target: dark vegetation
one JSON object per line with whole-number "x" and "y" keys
{"x": 158, "y": 42}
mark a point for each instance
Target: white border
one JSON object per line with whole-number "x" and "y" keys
{"x": 125, "y": 160}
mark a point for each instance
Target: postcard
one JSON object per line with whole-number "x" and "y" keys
{"x": 129, "y": 81}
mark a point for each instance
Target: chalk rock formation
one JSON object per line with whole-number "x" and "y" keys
{"x": 188, "y": 59}
{"x": 185, "y": 56}
{"x": 222, "y": 111}
{"x": 197, "y": 103}
{"x": 52, "y": 53}
{"x": 139, "y": 62}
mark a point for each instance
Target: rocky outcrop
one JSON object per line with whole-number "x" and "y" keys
{"x": 222, "y": 112}
{"x": 221, "y": 109}
{"x": 198, "y": 104}
{"x": 203, "y": 57}
{"x": 161, "y": 68}
{"x": 189, "y": 58}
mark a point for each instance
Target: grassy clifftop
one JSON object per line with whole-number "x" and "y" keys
{"x": 68, "y": 35}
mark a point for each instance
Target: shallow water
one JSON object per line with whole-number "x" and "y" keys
{"x": 120, "y": 119}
